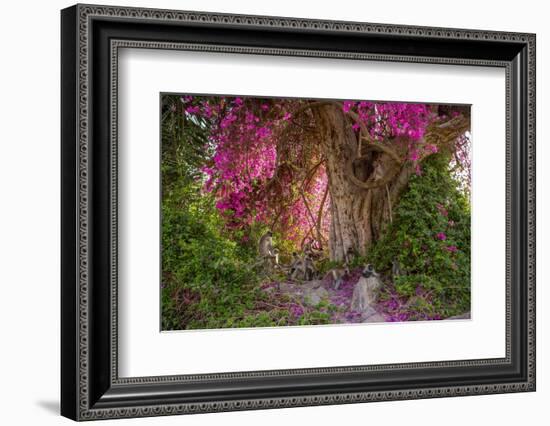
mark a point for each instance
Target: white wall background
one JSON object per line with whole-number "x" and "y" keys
{"x": 29, "y": 214}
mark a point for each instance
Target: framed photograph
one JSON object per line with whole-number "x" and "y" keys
{"x": 263, "y": 212}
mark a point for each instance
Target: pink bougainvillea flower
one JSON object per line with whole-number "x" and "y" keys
{"x": 441, "y": 236}
{"x": 348, "y": 105}
{"x": 244, "y": 137}
{"x": 263, "y": 132}
{"x": 432, "y": 148}
{"x": 192, "y": 109}
{"x": 442, "y": 210}
{"x": 414, "y": 155}
{"x": 296, "y": 310}
{"x": 452, "y": 249}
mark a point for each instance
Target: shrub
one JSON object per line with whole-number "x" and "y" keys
{"x": 430, "y": 237}
{"x": 200, "y": 265}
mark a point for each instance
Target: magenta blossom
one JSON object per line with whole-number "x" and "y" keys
{"x": 348, "y": 105}
{"x": 256, "y": 178}
{"x": 432, "y": 148}
{"x": 452, "y": 249}
{"x": 442, "y": 210}
{"x": 414, "y": 155}
{"x": 192, "y": 109}
{"x": 441, "y": 236}
{"x": 296, "y": 310}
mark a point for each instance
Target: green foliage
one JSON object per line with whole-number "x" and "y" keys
{"x": 430, "y": 237}
{"x": 207, "y": 276}
{"x": 199, "y": 262}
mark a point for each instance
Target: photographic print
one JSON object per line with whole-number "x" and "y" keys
{"x": 292, "y": 212}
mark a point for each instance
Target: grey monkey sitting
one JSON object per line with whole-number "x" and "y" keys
{"x": 267, "y": 251}
{"x": 338, "y": 275}
{"x": 396, "y": 269}
{"x": 301, "y": 268}
{"x": 295, "y": 265}
{"x": 308, "y": 269}
{"x": 365, "y": 293}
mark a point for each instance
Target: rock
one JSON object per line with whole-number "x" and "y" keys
{"x": 465, "y": 315}
{"x": 365, "y": 293}
{"x": 371, "y": 315}
{"x": 375, "y": 318}
{"x": 309, "y": 292}
{"x": 313, "y": 296}
{"x": 311, "y": 285}
{"x": 285, "y": 287}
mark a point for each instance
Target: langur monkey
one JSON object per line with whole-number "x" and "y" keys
{"x": 368, "y": 271}
{"x": 396, "y": 268}
{"x": 308, "y": 269}
{"x": 295, "y": 265}
{"x": 301, "y": 267}
{"x": 338, "y": 274}
{"x": 266, "y": 249}
{"x": 365, "y": 292}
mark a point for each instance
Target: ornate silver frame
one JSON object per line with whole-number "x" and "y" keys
{"x": 91, "y": 388}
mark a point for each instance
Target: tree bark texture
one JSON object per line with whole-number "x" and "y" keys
{"x": 359, "y": 215}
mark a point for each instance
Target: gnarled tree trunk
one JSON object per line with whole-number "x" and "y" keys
{"x": 359, "y": 214}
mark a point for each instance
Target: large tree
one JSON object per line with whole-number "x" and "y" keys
{"x": 321, "y": 170}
